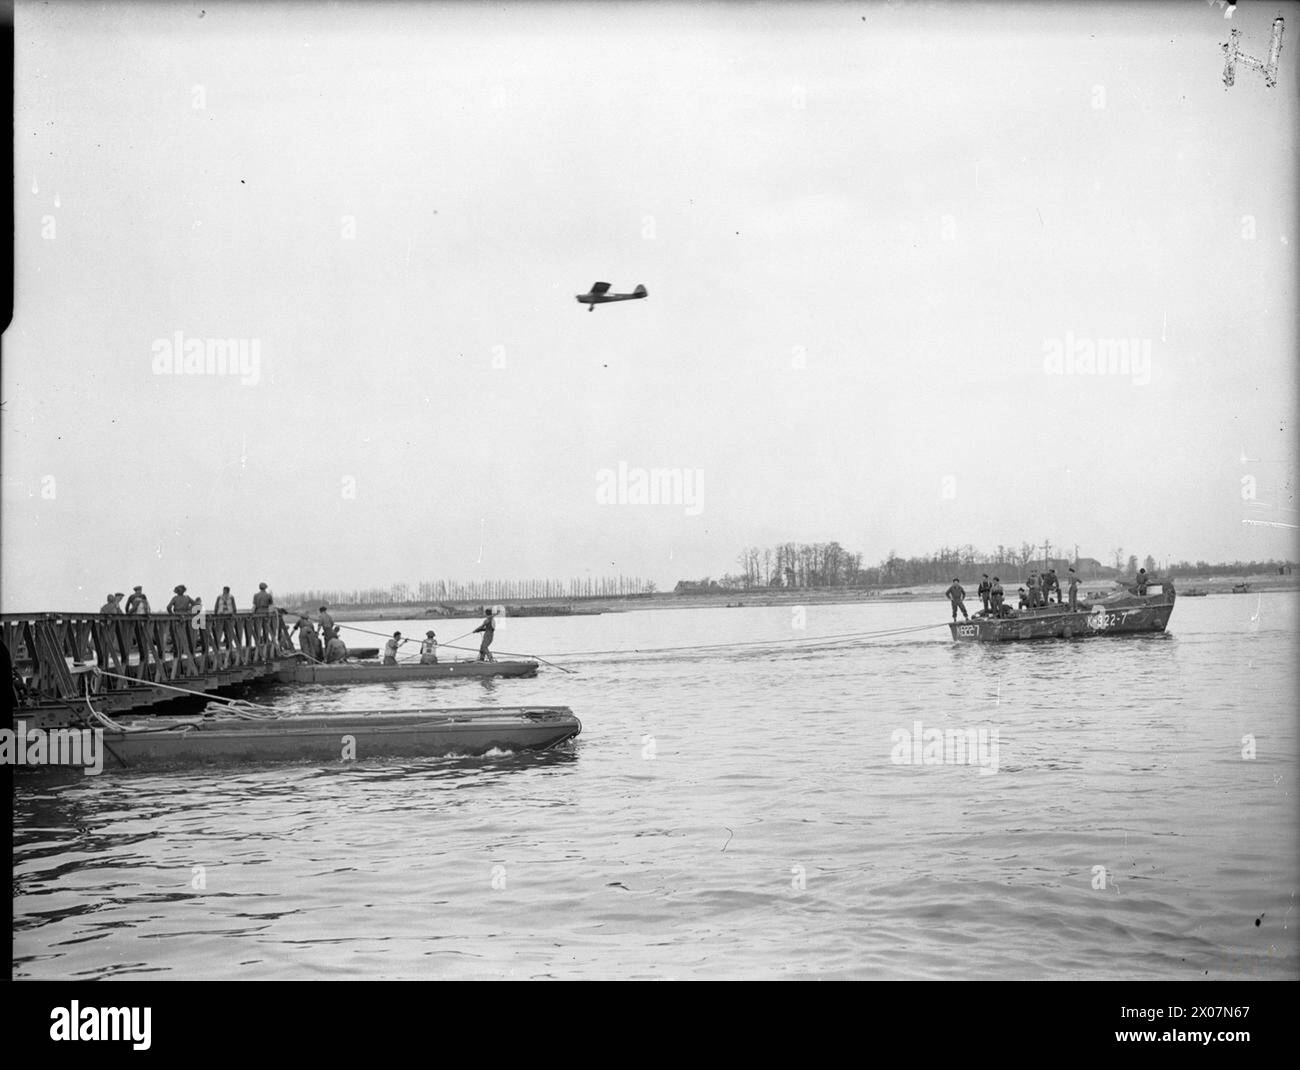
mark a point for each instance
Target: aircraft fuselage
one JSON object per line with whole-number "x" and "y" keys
{"x": 601, "y": 297}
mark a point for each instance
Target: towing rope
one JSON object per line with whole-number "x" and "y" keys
{"x": 841, "y": 639}
{"x": 239, "y": 707}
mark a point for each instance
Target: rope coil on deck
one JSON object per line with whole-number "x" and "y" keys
{"x": 238, "y": 707}
{"x": 114, "y": 726}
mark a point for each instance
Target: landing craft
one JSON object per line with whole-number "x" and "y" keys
{"x": 600, "y": 295}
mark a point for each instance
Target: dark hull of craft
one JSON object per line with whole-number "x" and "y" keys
{"x": 1121, "y": 615}
{"x": 338, "y": 736}
{"x": 351, "y": 673}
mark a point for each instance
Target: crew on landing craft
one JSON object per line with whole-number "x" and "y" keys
{"x": 307, "y": 638}
{"x": 390, "y": 648}
{"x": 957, "y": 596}
{"x": 429, "y": 649}
{"x": 488, "y": 628}
{"x": 1051, "y": 583}
{"x": 983, "y": 590}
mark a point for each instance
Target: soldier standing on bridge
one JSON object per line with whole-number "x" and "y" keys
{"x": 225, "y": 607}
{"x": 138, "y": 605}
{"x": 181, "y": 602}
{"x": 262, "y": 601}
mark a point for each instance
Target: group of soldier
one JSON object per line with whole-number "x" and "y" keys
{"x": 138, "y": 602}
{"x": 324, "y": 645}
{"x": 1037, "y": 592}
{"x": 429, "y": 646}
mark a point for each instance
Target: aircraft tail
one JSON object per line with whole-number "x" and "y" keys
{"x": 640, "y": 291}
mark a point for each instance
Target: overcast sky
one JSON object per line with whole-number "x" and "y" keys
{"x": 865, "y": 229}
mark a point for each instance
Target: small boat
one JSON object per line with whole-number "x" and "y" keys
{"x": 1241, "y": 588}
{"x": 1194, "y": 592}
{"x": 347, "y": 672}
{"x": 1122, "y": 613}
{"x": 224, "y": 738}
{"x": 361, "y": 652}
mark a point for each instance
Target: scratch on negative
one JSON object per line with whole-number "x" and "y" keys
{"x": 730, "y": 834}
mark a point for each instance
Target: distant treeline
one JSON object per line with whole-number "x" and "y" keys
{"x": 801, "y": 565}
{"x": 828, "y": 564}
{"x": 472, "y": 591}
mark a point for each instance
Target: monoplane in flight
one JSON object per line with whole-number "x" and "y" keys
{"x": 600, "y": 295}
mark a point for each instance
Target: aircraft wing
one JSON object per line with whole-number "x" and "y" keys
{"x": 600, "y": 287}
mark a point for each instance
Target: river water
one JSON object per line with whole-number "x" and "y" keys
{"x": 726, "y": 813}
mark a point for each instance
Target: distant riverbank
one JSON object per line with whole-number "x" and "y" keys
{"x": 562, "y": 607}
